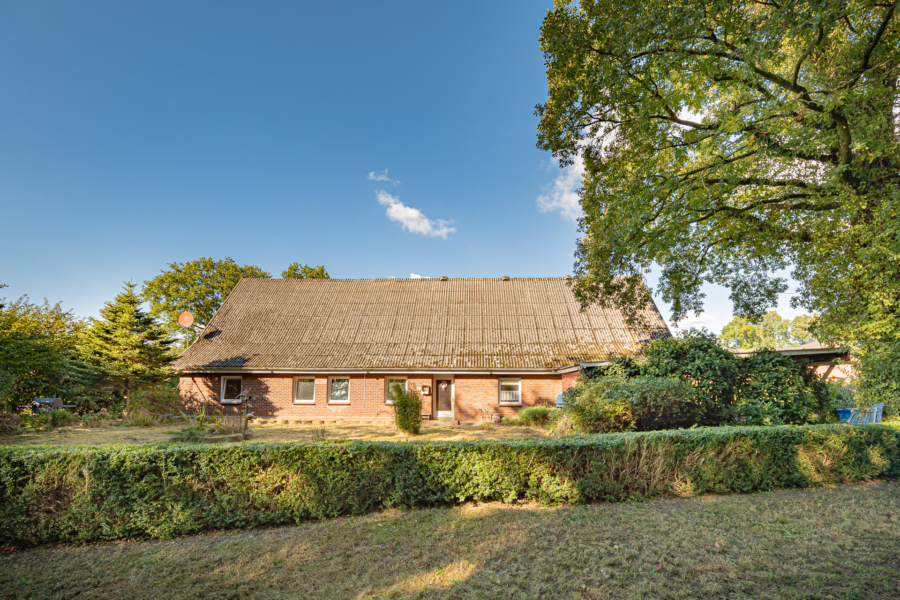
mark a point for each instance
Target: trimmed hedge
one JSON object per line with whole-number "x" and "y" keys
{"x": 59, "y": 494}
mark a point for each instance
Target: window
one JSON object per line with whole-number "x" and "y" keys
{"x": 304, "y": 390}
{"x": 339, "y": 390}
{"x": 389, "y": 383}
{"x": 510, "y": 391}
{"x": 231, "y": 389}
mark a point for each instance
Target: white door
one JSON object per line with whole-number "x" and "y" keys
{"x": 443, "y": 398}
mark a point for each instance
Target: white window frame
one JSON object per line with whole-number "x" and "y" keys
{"x": 386, "y": 388}
{"x": 222, "y": 399}
{"x": 328, "y": 391}
{"x": 500, "y": 383}
{"x": 294, "y": 392}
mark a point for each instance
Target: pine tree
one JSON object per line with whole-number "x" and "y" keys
{"x": 128, "y": 345}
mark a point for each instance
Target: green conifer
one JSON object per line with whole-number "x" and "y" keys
{"x": 128, "y": 345}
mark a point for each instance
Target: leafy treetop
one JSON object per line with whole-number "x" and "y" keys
{"x": 772, "y": 331}
{"x": 199, "y": 286}
{"x": 297, "y": 271}
{"x": 727, "y": 140}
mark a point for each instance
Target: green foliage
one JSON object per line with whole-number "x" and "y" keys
{"x": 697, "y": 357}
{"x": 531, "y": 416}
{"x": 38, "y": 350}
{"x": 199, "y": 286}
{"x": 658, "y": 402}
{"x": 691, "y": 380}
{"x": 770, "y": 331}
{"x": 778, "y": 390}
{"x": 593, "y": 409}
{"x": 60, "y": 417}
{"x": 128, "y": 345}
{"x": 407, "y": 409}
{"x": 158, "y": 400}
{"x": 727, "y": 141}
{"x": 298, "y": 271}
{"x": 80, "y": 494}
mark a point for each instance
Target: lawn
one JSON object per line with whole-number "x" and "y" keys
{"x": 835, "y": 542}
{"x": 112, "y": 434}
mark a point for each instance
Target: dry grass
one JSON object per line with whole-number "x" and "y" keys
{"x": 838, "y": 542}
{"x": 268, "y": 433}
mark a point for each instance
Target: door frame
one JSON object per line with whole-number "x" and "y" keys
{"x": 451, "y": 414}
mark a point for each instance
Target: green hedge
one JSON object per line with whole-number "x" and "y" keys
{"x": 53, "y": 494}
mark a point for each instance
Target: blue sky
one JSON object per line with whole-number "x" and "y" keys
{"x": 138, "y": 134}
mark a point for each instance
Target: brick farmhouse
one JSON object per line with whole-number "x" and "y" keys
{"x": 312, "y": 350}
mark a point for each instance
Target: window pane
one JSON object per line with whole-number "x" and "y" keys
{"x": 340, "y": 389}
{"x": 232, "y": 388}
{"x": 306, "y": 389}
{"x": 389, "y": 387}
{"x": 509, "y": 391}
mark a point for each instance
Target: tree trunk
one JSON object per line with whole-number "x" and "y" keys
{"x": 127, "y": 398}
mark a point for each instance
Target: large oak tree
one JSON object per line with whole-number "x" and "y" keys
{"x": 727, "y": 140}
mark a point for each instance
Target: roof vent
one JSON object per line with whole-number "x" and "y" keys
{"x": 505, "y": 278}
{"x": 445, "y": 278}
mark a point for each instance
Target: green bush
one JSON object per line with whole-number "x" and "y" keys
{"x": 697, "y": 357}
{"x": 69, "y": 494}
{"x": 592, "y": 409}
{"x": 60, "y": 417}
{"x": 658, "y": 402}
{"x": 531, "y": 416}
{"x": 778, "y": 390}
{"x": 407, "y": 409}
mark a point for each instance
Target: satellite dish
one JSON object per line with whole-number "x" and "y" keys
{"x": 186, "y": 319}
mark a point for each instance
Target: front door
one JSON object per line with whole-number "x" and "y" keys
{"x": 443, "y": 398}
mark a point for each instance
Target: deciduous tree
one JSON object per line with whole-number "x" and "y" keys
{"x": 298, "y": 271}
{"x": 728, "y": 140}
{"x": 199, "y": 286}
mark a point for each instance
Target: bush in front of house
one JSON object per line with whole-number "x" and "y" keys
{"x": 777, "y": 390}
{"x": 531, "y": 416}
{"x": 407, "y": 409}
{"x": 80, "y": 494}
{"x": 691, "y": 380}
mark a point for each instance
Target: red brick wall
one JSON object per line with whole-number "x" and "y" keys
{"x": 570, "y": 379}
{"x": 479, "y": 395}
{"x": 273, "y": 395}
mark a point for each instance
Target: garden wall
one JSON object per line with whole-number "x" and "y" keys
{"x": 65, "y": 494}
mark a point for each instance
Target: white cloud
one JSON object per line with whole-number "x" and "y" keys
{"x": 414, "y": 276}
{"x": 562, "y": 194}
{"x": 412, "y": 219}
{"x": 381, "y": 176}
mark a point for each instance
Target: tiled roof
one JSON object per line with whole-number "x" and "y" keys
{"x": 412, "y": 324}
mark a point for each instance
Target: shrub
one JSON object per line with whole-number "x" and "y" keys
{"x": 658, "y": 402}
{"x": 407, "y": 409}
{"x": 697, "y": 357}
{"x": 139, "y": 418}
{"x": 531, "y": 416}
{"x": 778, "y": 390}
{"x": 60, "y": 417}
{"x": 66, "y": 494}
{"x": 591, "y": 409}
{"x": 158, "y": 400}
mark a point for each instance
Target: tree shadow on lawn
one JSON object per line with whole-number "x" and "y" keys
{"x": 797, "y": 543}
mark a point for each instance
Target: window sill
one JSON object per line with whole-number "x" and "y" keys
{"x": 510, "y": 404}
{"x": 304, "y": 401}
{"x": 338, "y": 402}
